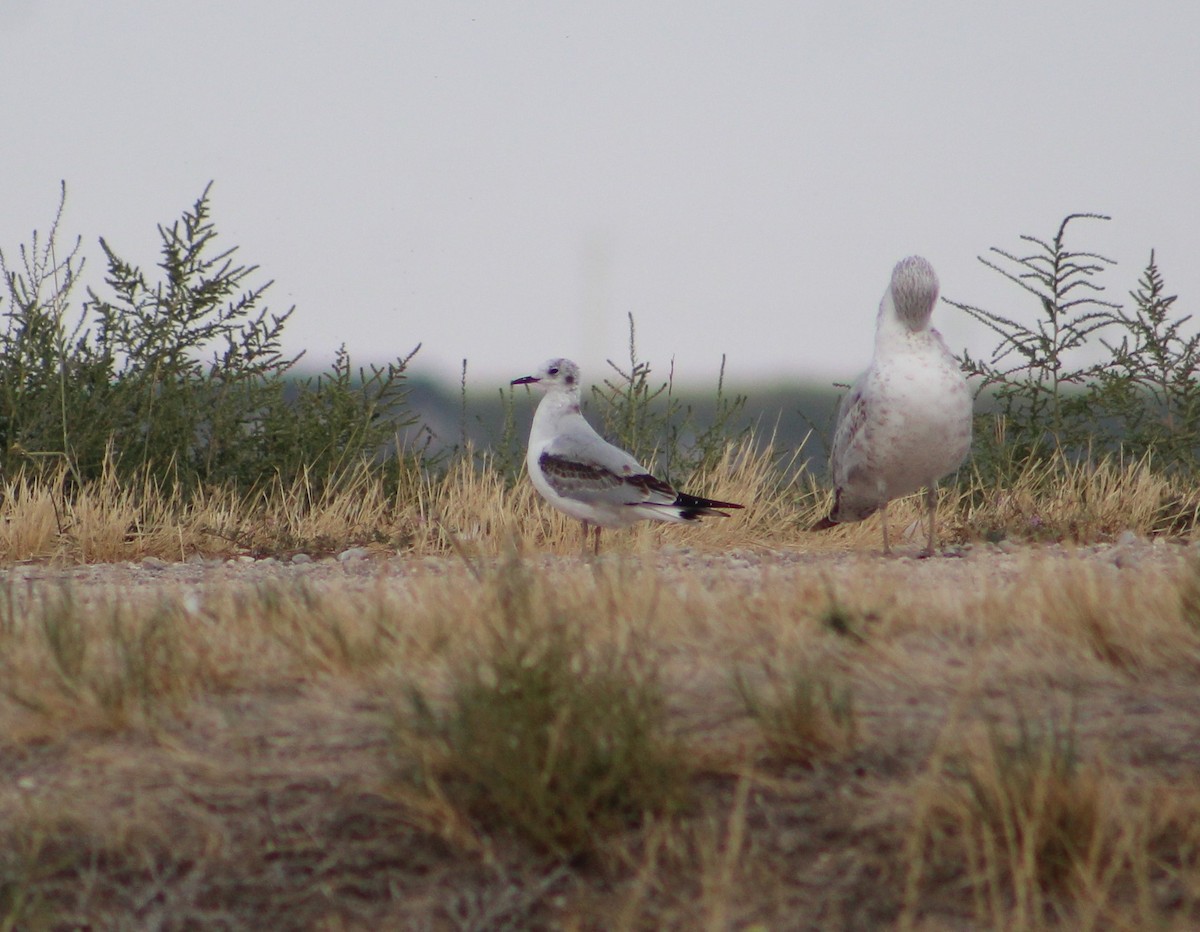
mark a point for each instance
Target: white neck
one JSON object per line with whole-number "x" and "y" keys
{"x": 553, "y": 407}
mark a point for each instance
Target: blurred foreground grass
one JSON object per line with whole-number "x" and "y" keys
{"x": 667, "y": 739}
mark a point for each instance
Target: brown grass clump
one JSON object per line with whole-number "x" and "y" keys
{"x": 97, "y": 667}
{"x": 545, "y": 732}
{"x": 1016, "y": 813}
{"x": 805, "y": 712}
{"x": 1057, "y": 499}
{"x": 102, "y": 523}
{"x": 1036, "y": 836}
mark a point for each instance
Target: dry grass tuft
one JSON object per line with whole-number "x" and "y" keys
{"x": 1131, "y": 618}
{"x": 1015, "y": 819}
{"x": 103, "y": 666}
{"x": 1056, "y": 499}
{"x": 1017, "y": 811}
{"x": 544, "y": 732}
{"x": 804, "y": 710}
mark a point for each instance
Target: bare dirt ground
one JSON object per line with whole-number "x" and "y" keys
{"x": 275, "y": 808}
{"x": 359, "y": 568}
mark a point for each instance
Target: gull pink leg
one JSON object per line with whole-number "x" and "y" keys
{"x": 931, "y": 504}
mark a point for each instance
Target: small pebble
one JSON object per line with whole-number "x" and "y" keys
{"x": 1126, "y": 559}
{"x": 353, "y": 553}
{"x": 298, "y": 558}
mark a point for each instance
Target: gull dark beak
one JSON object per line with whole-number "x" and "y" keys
{"x": 525, "y": 380}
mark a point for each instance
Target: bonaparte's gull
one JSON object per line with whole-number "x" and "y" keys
{"x": 579, "y": 472}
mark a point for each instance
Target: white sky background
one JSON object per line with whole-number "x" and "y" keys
{"x": 505, "y": 182}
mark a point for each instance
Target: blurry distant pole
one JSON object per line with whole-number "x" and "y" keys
{"x": 597, "y": 300}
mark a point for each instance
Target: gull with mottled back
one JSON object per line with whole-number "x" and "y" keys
{"x": 580, "y": 473}
{"x": 906, "y": 421}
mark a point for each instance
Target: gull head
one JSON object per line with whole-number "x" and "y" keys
{"x": 560, "y": 375}
{"x": 914, "y": 291}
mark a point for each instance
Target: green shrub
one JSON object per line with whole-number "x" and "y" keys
{"x": 1046, "y": 393}
{"x": 651, "y": 422}
{"x": 180, "y": 377}
{"x": 1148, "y": 388}
{"x": 1034, "y": 373}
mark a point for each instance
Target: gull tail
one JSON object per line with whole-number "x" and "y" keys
{"x": 691, "y": 507}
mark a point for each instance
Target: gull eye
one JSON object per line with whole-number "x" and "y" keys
{"x": 553, "y": 370}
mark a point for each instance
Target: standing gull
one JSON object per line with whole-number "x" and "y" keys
{"x": 580, "y": 473}
{"x": 907, "y": 420}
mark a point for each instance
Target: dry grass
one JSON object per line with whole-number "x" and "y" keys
{"x": 1056, "y": 499}
{"x": 550, "y": 731}
{"x": 471, "y": 510}
{"x": 470, "y": 506}
{"x": 804, "y": 710}
{"x": 761, "y": 730}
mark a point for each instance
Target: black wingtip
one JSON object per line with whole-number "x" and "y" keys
{"x": 702, "y": 506}
{"x": 695, "y": 501}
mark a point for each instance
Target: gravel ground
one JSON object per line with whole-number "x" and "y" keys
{"x": 358, "y": 568}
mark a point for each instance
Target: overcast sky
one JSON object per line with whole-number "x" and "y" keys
{"x": 506, "y": 181}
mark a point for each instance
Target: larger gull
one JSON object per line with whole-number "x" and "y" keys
{"x": 579, "y": 472}
{"x": 907, "y": 420}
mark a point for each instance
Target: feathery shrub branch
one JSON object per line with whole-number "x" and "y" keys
{"x": 181, "y": 377}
